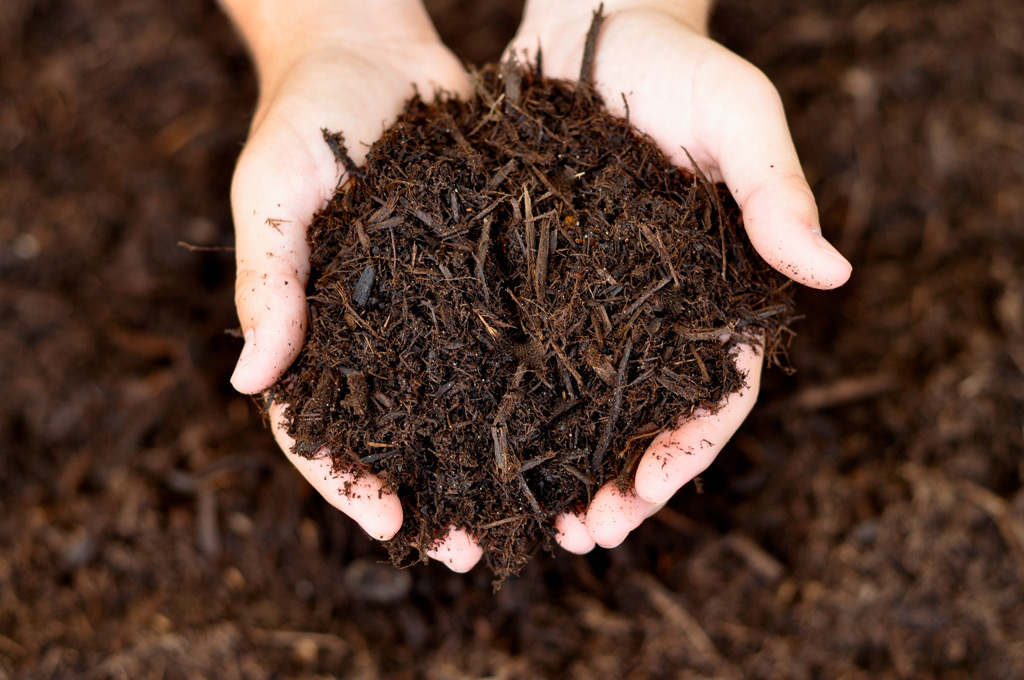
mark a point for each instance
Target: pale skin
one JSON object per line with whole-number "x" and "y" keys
{"x": 349, "y": 65}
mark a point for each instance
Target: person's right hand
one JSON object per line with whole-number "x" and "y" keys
{"x": 702, "y": 104}
{"x": 347, "y": 66}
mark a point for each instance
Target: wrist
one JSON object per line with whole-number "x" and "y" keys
{"x": 541, "y": 15}
{"x": 279, "y": 32}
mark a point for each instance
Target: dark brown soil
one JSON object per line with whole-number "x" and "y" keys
{"x": 864, "y": 523}
{"x": 508, "y": 301}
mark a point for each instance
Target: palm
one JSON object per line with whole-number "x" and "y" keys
{"x": 358, "y": 91}
{"x": 680, "y": 87}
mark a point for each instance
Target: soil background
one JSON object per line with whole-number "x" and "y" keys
{"x": 866, "y": 522}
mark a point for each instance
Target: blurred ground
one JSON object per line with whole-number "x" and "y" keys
{"x": 867, "y": 522}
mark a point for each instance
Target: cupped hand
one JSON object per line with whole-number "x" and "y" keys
{"x": 342, "y": 77}
{"x": 696, "y": 99}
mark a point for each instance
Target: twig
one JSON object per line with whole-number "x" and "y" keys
{"x": 481, "y": 256}
{"x": 995, "y": 507}
{"x": 289, "y": 638}
{"x": 613, "y": 416}
{"x": 534, "y": 462}
{"x": 207, "y": 529}
{"x": 701, "y": 334}
{"x": 512, "y": 74}
{"x": 655, "y": 240}
{"x": 757, "y": 558}
{"x": 590, "y": 48}
{"x": 11, "y": 647}
{"x": 529, "y": 494}
{"x": 564, "y": 361}
{"x": 669, "y": 606}
{"x": 531, "y": 233}
{"x": 1010, "y": 528}
{"x": 844, "y": 391}
{"x": 643, "y": 298}
{"x": 500, "y": 522}
{"x": 377, "y": 457}
{"x": 481, "y": 90}
{"x": 540, "y": 272}
{"x": 205, "y": 249}
{"x": 501, "y": 175}
{"x": 708, "y": 187}
{"x": 347, "y": 304}
{"x": 336, "y": 142}
{"x": 700, "y": 364}
{"x": 485, "y": 212}
{"x": 460, "y": 139}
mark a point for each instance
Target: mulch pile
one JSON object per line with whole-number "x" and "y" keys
{"x": 509, "y": 301}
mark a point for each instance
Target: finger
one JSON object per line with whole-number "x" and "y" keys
{"x": 571, "y": 533}
{"x": 458, "y": 551}
{"x": 362, "y": 497}
{"x": 613, "y": 514}
{"x": 274, "y": 193}
{"x": 747, "y": 130}
{"x": 677, "y": 456}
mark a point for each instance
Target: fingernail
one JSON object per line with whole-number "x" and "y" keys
{"x": 827, "y": 247}
{"x": 657, "y": 499}
{"x": 373, "y": 529}
{"x": 248, "y": 351}
{"x": 613, "y": 543}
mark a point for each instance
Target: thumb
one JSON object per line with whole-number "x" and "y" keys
{"x": 759, "y": 164}
{"x": 273, "y": 195}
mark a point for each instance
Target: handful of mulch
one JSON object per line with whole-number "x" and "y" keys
{"x": 511, "y": 298}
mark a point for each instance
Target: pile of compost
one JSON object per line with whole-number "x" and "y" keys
{"x": 511, "y": 298}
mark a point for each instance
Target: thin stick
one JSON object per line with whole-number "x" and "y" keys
{"x": 713, "y": 196}
{"x": 500, "y": 522}
{"x": 481, "y": 256}
{"x": 643, "y": 298}
{"x": 534, "y": 462}
{"x": 500, "y": 176}
{"x": 613, "y": 417}
{"x": 655, "y": 240}
{"x": 205, "y": 249}
{"x": 481, "y": 89}
{"x": 529, "y": 494}
{"x": 671, "y": 608}
{"x": 590, "y": 48}
{"x": 531, "y": 230}
{"x": 336, "y": 142}
{"x": 540, "y": 272}
{"x": 702, "y": 334}
{"x": 700, "y": 363}
{"x": 513, "y": 76}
